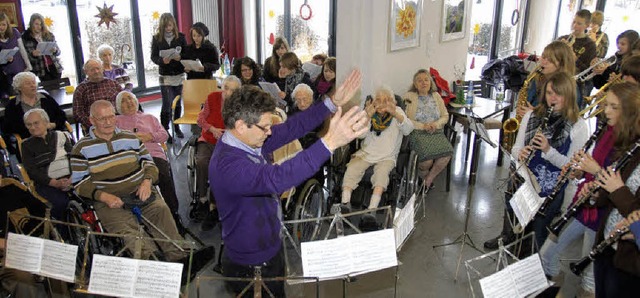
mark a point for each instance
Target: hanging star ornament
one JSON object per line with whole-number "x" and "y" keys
{"x": 106, "y": 15}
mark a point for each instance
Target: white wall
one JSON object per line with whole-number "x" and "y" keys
{"x": 363, "y": 42}
{"x": 542, "y": 24}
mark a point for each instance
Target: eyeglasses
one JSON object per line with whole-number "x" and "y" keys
{"x": 105, "y": 118}
{"x": 246, "y": 70}
{"x": 265, "y": 128}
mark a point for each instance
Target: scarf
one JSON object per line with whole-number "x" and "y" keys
{"x": 293, "y": 80}
{"x": 557, "y": 131}
{"x": 380, "y": 122}
{"x": 323, "y": 86}
{"x": 601, "y": 153}
{"x": 168, "y": 36}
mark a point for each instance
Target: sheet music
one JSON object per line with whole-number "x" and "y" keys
{"x": 520, "y": 279}
{"x": 6, "y": 53}
{"x": 112, "y": 276}
{"x": 480, "y": 130}
{"x": 23, "y": 252}
{"x": 59, "y": 260}
{"x": 271, "y": 88}
{"x": 312, "y": 69}
{"x": 525, "y": 201}
{"x": 404, "y": 222}
{"x": 158, "y": 279}
{"x": 46, "y": 47}
{"x": 350, "y": 254}
{"x": 192, "y": 64}
{"x": 170, "y": 53}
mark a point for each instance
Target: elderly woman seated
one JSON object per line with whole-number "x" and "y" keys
{"x": 150, "y": 131}
{"x": 29, "y": 98}
{"x": 45, "y": 157}
{"x": 210, "y": 120}
{"x": 112, "y": 71}
{"x": 291, "y": 75}
{"x": 380, "y": 147}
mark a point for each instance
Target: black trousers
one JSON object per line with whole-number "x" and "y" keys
{"x": 271, "y": 268}
{"x": 611, "y": 281}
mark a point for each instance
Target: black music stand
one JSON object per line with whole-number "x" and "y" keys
{"x": 464, "y": 238}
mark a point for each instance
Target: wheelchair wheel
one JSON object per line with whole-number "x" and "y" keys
{"x": 410, "y": 177}
{"x": 78, "y": 236}
{"x": 309, "y": 205}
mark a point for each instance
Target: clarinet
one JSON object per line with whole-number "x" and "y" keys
{"x": 565, "y": 177}
{"x": 542, "y": 128}
{"x": 555, "y": 228}
{"x": 579, "y": 266}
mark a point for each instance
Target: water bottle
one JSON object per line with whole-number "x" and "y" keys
{"x": 227, "y": 67}
{"x": 500, "y": 92}
{"x": 469, "y": 98}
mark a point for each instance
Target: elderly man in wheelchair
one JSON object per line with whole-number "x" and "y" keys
{"x": 114, "y": 169}
{"x": 380, "y": 148}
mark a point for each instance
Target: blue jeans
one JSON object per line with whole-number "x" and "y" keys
{"x": 168, "y": 94}
{"x": 551, "y": 251}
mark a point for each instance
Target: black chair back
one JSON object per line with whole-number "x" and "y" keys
{"x": 55, "y": 84}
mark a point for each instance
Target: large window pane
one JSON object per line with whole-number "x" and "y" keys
{"x": 272, "y": 15}
{"x": 510, "y": 28}
{"x": 57, "y": 19}
{"x": 568, "y": 9}
{"x": 118, "y": 35}
{"x": 150, "y": 11}
{"x": 620, "y": 16}
{"x": 309, "y": 37}
{"x": 480, "y": 42}
{"x": 589, "y": 5}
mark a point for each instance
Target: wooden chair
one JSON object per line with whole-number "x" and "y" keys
{"x": 194, "y": 95}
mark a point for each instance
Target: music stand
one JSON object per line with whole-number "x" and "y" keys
{"x": 465, "y": 238}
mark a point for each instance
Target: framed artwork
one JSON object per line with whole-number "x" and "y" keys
{"x": 454, "y": 18}
{"x": 10, "y": 10}
{"x": 404, "y": 24}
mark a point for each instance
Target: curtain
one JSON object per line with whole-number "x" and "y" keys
{"x": 233, "y": 31}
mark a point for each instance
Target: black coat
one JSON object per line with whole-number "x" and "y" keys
{"x": 174, "y": 67}
{"x": 13, "y": 113}
{"x": 208, "y": 56}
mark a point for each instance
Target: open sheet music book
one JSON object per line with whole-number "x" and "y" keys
{"x": 46, "y": 47}
{"x": 403, "y": 223}
{"x": 125, "y": 277}
{"x": 480, "y": 130}
{"x": 192, "y": 64}
{"x": 271, "y": 88}
{"x": 312, "y": 69}
{"x": 41, "y": 256}
{"x": 526, "y": 201}
{"x": 170, "y": 53}
{"x": 519, "y": 279}
{"x": 349, "y": 255}
{"x": 6, "y": 53}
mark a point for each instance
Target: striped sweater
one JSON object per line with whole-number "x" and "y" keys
{"x": 117, "y": 166}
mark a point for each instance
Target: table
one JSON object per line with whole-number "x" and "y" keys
{"x": 483, "y": 109}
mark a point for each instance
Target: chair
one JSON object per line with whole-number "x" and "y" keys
{"x": 480, "y": 88}
{"x": 194, "y": 95}
{"x": 451, "y": 135}
{"x": 55, "y": 84}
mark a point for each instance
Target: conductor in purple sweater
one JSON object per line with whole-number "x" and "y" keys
{"x": 247, "y": 186}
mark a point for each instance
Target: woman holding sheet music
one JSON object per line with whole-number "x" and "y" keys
{"x": 10, "y": 38}
{"x": 202, "y": 50}
{"x": 613, "y": 140}
{"x": 171, "y": 70}
{"x": 565, "y": 134}
{"x": 46, "y": 67}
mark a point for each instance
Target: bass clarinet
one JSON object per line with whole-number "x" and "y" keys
{"x": 555, "y": 228}
{"x": 565, "y": 177}
{"x": 580, "y": 265}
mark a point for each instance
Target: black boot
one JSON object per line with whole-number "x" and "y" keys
{"x": 210, "y": 221}
{"x": 507, "y": 234}
{"x": 176, "y": 129}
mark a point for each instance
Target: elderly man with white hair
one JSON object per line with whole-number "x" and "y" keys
{"x": 94, "y": 88}
{"x": 113, "y": 71}
{"x": 149, "y": 130}
{"x": 45, "y": 157}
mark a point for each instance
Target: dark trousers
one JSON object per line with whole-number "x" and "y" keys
{"x": 611, "y": 281}
{"x": 271, "y": 268}
{"x": 165, "y": 182}
{"x": 540, "y": 223}
{"x": 168, "y": 94}
{"x": 58, "y": 199}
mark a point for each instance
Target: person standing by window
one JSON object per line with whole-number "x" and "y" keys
{"x": 201, "y": 49}
{"x": 46, "y": 67}
{"x": 171, "y": 70}
{"x": 272, "y": 64}
{"x": 10, "y": 38}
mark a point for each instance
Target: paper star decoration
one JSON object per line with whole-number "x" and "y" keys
{"x": 155, "y": 15}
{"x": 48, "y": 21}
{"x": 106, "y": 15}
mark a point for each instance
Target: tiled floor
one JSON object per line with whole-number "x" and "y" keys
{"x": 424, "y": 271}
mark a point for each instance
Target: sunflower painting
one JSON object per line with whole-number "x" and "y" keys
{"x": 404, "y": 25}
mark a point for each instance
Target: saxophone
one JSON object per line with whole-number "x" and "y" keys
{"x": 511, "y": 125}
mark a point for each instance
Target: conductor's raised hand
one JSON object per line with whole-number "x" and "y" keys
{"x": 347, "y": 89}
{"x": 345, "y": 128}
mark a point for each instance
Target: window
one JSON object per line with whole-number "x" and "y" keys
{"x": 131, "y": 50}
{"x": 511, "y": 26}
{"x": 480, "y": 42}
{"x": 619, "y": 16}
{"x": 306, "y": 37}
{"x": 568, "y": 9}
